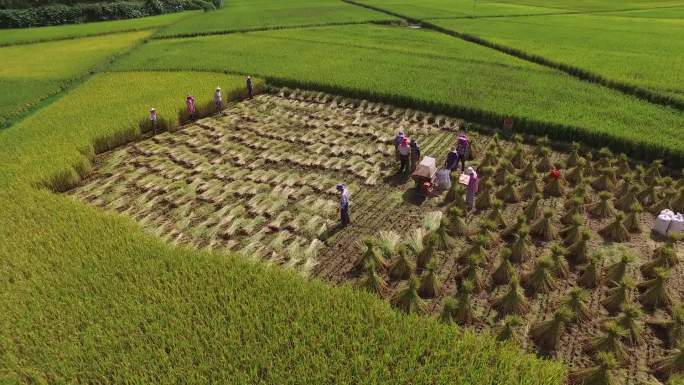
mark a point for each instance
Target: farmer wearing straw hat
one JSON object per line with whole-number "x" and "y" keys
{"x": 250, "y": 87}
{"x": 218, "y": 99}
{"x": 190, "y": 103}
{"x": 344, "y": 204}
{"x": 153, "y": 120}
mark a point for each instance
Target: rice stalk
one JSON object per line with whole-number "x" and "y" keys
{"x": 407, "y": 298}
{"x": 619, "y": 295}
{"x": 541, "y": 279}
{"x": 656, "y": 293}
{"x": 543, "y": 227}
{"x": 547, "y": 334}
{"x": 513, "y": 301}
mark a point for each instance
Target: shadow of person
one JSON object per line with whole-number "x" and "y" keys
{"x": 331, "y": 231}
{"x": 396, "y": 179}
{"x": 411, "y": 196}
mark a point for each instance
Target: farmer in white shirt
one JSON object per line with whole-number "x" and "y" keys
{"x": 344, "y": 204}
{"x": 218, "y": 99}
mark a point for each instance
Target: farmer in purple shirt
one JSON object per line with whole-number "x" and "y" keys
{"x": 344, "y": 204}
{"x": 190, "y": 104}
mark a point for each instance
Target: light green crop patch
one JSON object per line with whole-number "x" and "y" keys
{"x": 30, "y": 73}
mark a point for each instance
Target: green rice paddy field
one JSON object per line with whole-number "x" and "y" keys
{"x": 88, "y": 297}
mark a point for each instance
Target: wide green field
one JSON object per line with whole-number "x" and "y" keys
{"x": 240, "y": 15}
{"x": 31, "y": 73}
{"x": 88, "y": 297}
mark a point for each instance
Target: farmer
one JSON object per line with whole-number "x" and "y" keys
{"x": 218, "y": 99}
{"x": 404, "y": 151}
{"x": 452, "y": 159}
{"x": 153, "y": 120}
{"x": 463, "y": 149}
{"x": 250, "y": 87}
{"x": 443, "y": 179}
{"x": 190, "y": 103}
{"x": 415, "y": 155}
{"x": 471, "y": 189}
{"x": 344, "y": 204}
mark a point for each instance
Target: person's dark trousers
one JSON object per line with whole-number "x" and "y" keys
{"x": 250, "y": 91}
{"x": 344, "y": 213}
{"x": 462, "y": 159}
{"x": 404, "y": 164}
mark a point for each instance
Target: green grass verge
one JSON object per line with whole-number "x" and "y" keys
{"x": 38, "y": 71}
{"x": 41, "y": 34}
{"x": 240, "y": 15}
{"x": 88, "y": 297}
{"x": 432, "y": 71}
{"x": 638, "y": 51}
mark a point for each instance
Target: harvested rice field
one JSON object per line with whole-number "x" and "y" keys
{"x": 568, "y": 266}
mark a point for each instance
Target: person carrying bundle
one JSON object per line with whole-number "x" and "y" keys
{"x": 218, "y": 99}
{"x": 344, "y": 204}
{"x": 404, "y": 151}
